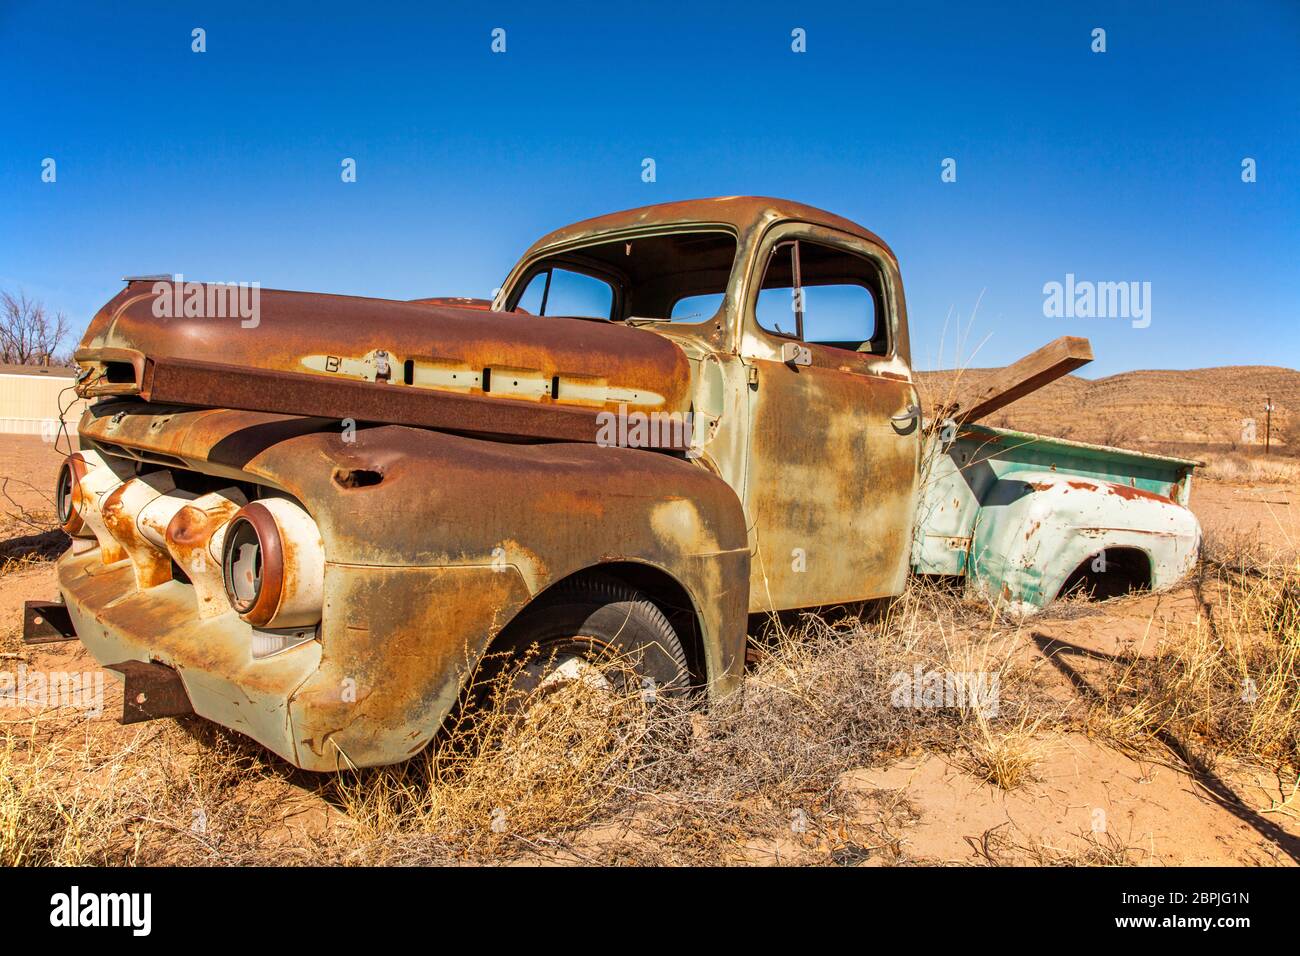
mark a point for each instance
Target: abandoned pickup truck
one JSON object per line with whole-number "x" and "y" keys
{"x": 311, "y": 527}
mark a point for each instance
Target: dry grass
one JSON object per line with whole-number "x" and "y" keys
{"x": 1225, "y": 685}
{"x": 581, "y": 775}
{"x": 168, "y": 793}
{"x": 517, "y": 770}
{"x": 1250, "y": 468}
{"x": 49, "y": 816}
{"x": 29, "y": 539}
{"x": 679, "y": 783}
{"x": 1006, "y": 758}
{"x": 997, "y": 847}
{"x": 27, "y": 536}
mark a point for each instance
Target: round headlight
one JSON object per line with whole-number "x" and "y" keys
{"x": 65, "y": 494}
{"x": 252, "y": 564}
{"x": 273, "y": 565}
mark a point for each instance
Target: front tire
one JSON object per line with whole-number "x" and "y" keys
{"x": 595, "y": 629}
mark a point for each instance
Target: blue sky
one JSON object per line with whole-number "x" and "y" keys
{"x": 1119, "y": 166}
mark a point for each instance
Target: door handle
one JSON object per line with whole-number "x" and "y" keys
{"x": 912, "y": 411}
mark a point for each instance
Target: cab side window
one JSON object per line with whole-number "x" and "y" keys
{"x": 824, "y": 295}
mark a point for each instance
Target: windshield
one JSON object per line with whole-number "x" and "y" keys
{"x": 679, "y": 277}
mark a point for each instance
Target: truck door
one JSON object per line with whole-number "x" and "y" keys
{"x": 835, "y": 429}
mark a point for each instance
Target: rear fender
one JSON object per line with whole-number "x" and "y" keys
{"x": 1035, "y": 528}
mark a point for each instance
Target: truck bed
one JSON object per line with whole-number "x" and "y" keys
{"x": 1011, "y": 509}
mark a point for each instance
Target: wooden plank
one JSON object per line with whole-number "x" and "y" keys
{"x": 1053, "y": 360}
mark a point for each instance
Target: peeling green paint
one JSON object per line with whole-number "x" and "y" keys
{"x": 1017, "y": 513}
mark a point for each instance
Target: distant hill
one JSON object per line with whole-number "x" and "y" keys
{"x": 1195, "y": 407}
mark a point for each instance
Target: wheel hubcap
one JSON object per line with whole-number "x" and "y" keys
{"x": 574, "y": 667}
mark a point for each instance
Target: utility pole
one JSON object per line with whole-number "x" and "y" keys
{"x": 1268, "y": 422}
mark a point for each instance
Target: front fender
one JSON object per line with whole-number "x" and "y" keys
{"x": 1035, "y": 528}
{"x": 434, "y": 542}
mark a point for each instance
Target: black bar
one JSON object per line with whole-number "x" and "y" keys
{"x": 151, "y": 691}
{"x": 46, "y": 622}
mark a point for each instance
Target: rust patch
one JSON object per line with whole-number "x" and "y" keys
{"x": 743, "y": 212}
{"x": 802, "y": 513}
{"x": 189, "y": 541}
{"x": 152, "y": 566}
{"x": 182, "y": 381}
{"x": 635, "y": 362}
{"x": 1136, "y": 494}
{"x": 357, "y": 477}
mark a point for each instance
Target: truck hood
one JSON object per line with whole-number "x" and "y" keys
{"x": 585, "y": 363}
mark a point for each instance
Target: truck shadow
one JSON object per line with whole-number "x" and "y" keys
{"x": 1058, "y": 653}
{"x": 38, "y": 546}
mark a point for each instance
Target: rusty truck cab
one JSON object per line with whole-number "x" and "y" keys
{"x": 795, "y": 326}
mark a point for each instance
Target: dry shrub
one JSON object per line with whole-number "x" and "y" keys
{"x": 1238, "y": 555}
{"x": 526, "y": 766}
{"x": 581, "y": 775}
{"x": 27, "y": 538}
{"x": 675, "y": 782}
{"x": 172, "y": 793}
{"x": 1005, "y": 758}
{"x": 30, "y": 539}
{"x": 1227, "y": 685}
{"x": 998, "y": 847}
{"x": 46, "y": 817}
{"x": 31, "y": 820}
